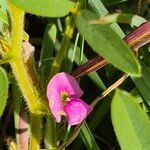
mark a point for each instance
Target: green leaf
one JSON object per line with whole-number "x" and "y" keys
{"x": 107, "y": 43}
{"x": 133, "y": 20}
{"x": 35, "y": 131}
{"x": 47, "y": 52}
{"x": 104, "y": 107}
{"x": 99, "y": 114}
{"x": 3, "y": 5}
{"x": 135, "y": 93}
{"x": 88, "y": 138}
{"x": 131, "y": 124}
{"x": 4, "y": 17}
{"x": 47, "y": 8}
{"x": 25, "y": 36}
{"x": 100, "y": 10}
{"x": 143, "y": 83}
{"x": 3, "y": 90}
{"x": 49, "y": 129}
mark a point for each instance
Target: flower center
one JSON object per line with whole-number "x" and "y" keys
{"x": 65, "y": 97}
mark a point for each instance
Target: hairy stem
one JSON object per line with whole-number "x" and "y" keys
{"x": 19, "y": 69}
{"x": 35, "y": 129}
{"x": 29, "y": 91}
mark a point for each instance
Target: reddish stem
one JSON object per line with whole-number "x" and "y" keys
{"x": 23, "y": 130}
{"x": 135, "y": 40}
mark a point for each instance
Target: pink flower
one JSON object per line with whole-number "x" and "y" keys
{"x": 63, "y": 94}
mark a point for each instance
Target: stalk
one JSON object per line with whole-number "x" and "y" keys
{"x": 70, "y": 26}
{"x": 29, "y": 91}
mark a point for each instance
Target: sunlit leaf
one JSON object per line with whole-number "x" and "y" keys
{"x": 133, "y": 20}
{"x": 101, "y": 10}
{"x": 3, "y": 90}
{"x": 4, "y": 17}
{"x": 47, "y": 8}
{"x": 47, "y": 52}
{"x": 107, "y": 43}
{"x": 131, "y": 124}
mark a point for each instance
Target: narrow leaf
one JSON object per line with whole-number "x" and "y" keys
{"x": 107, "y": 43}
{"x": 88, "y": 138}
{"x": 3, "y": 90}
{"x": 140, "y": 100}
{"x": 101, "y": 10}
{"x": 50, "y": 142}
{"x": 3, "y": 17}
{"x": 3, "y": 5}
{"x": 35, "y": 131}
{"x": 131, "y": 124}
{"x": 47, "y": 52}
{"x": 143, "y": 83}
{"x": 133, "y": 20}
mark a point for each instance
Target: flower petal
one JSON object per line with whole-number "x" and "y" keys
{"x": 64, "y": 82}
{"x": 76, "y": 111}
{"x": 55, "y": 103}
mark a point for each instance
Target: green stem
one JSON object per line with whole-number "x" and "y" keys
{"x": 35, "y": 131}
{"x": 66, "y": 39}
{"x": 30, "y": 92}
{"x": 25, "y": 84}
{"x": 70, "y": 26}
{"x": 49, "y": 134}
{"x": 55, "y": 68}
{"x": 19, "y": 69}
{"x": 63, "y": 48}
